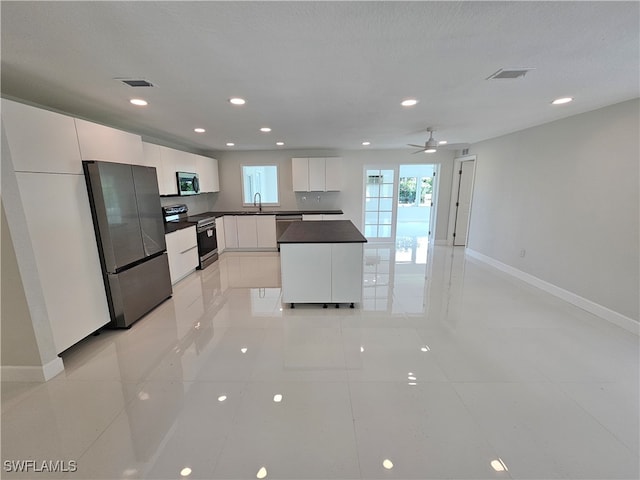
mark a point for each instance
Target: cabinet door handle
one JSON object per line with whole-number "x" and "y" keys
{"x": 188, "y": 249}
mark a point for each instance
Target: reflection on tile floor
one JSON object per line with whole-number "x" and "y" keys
{"x": 448, "y": 369}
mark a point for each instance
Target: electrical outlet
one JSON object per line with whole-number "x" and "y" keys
{"x": 523, "y": 252}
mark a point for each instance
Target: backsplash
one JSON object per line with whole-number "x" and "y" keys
{"x": 201, "y": 203}
{"x": 318, "y": 200}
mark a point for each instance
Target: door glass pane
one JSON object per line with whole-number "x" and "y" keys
{"x": 373, "y": 190}
{"x": 384, "y": 231}
{"x": 371, "y": 218}
{"x": 386, "y": 190}
{"x": 370, "y": 231}
{"x": 386, "y": 204}
{"x": 371, "y": 205}
{"x": 384, "y": 218}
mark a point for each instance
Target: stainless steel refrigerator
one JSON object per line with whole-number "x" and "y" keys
{"x": 127, "y": 218}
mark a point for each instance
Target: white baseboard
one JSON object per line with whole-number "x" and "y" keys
{"x": 34, "y": 373}
{"x": 616, "y": 318}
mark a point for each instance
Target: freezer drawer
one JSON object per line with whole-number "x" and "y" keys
{"x": 137, "y": 290}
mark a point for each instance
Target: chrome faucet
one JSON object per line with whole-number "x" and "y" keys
{"x": 259, "y": 204}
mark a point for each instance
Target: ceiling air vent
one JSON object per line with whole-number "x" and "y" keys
{"x": 136, "y": 83}
{"x": 509, "y": 73}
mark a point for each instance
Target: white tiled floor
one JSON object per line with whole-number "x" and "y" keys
{"x": 448, "y": 369}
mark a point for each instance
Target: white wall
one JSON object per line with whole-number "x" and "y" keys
{"x": 566, "y": 192}
{"x": 349, "y": 200}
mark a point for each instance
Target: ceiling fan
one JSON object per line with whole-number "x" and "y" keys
{"x": 433, "y": 145}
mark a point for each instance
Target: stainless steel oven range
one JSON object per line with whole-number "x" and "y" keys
{"x": 207, "y": 241}
{"x": 205, "y": 229}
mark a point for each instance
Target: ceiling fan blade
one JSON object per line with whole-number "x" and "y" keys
{"x": 417, "y": 146}
{"x": 418, "y": 151}
{"x": 452, "y": 146}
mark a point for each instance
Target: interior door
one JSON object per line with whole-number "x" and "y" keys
{"x": 463, "y": 204}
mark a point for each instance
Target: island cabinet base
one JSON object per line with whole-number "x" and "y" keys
{"x": 321, "y": 272}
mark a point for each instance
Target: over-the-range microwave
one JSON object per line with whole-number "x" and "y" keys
{"x": 188, "y": 183}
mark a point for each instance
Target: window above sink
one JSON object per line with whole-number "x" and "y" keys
{"x": 260, "y": 185}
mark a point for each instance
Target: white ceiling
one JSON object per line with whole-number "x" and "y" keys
{"x": 326, "y": 75}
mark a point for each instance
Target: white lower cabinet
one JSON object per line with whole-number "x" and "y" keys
{"x": 250, "y": 232}
{"x": 266, "y": 231}
{"x": 247, "y": 232}
{"x": 306, "y": 272}
{"x": 220, "y": 235}
{"x": 323, "y": 216}
{"x": 230, "y": 231}
{"x": 321, "y": 272}
{"x": 182, "y": 249}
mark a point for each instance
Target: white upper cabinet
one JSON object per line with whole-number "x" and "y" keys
{"x": 171, "y": 161}
{"x": 40, "y": 140}
{"x": 316, "y": 174}
{"x": 333, "y": 174}
{"x": 98, "y": 142}
{"x": 151, "y": 155}
{"x": 207, "y": 169}
{"x": 300, "y": 174}
{"x": 178, "y": 160}
{"x": 167, "y": 183}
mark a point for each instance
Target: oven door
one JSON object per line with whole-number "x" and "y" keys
{"x": 207, "y": 245}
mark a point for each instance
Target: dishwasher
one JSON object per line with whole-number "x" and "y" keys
{"x": 283, "y": 222}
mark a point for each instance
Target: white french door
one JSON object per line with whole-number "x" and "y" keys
{"x": 379, "y": 204}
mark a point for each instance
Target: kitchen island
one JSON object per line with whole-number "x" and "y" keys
{"x": 322, "y": 262}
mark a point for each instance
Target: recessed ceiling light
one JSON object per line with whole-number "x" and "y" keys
{"x": 560, "y": 101}
{"x": 237, "y": 101}
{"x": 262, "y": 473}
{"x": 265, "y": 129}
{"x": 430, "y": 150}
{"x": 279, "y": 144}
{"x": 185, "y": 472}
{"x": 139, "y": 102}
{"x": 409, "y": 102}
{"x": 230, "y": 144}
{"x": 199, "y": 130}
{"x": 442, "y": 142}
{"x": 366, "y": 144}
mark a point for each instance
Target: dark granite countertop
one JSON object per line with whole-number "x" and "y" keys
{"x": 327, "y": 231}
{"x": 272, "y": 212}
{"x": 173, "y": 226}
